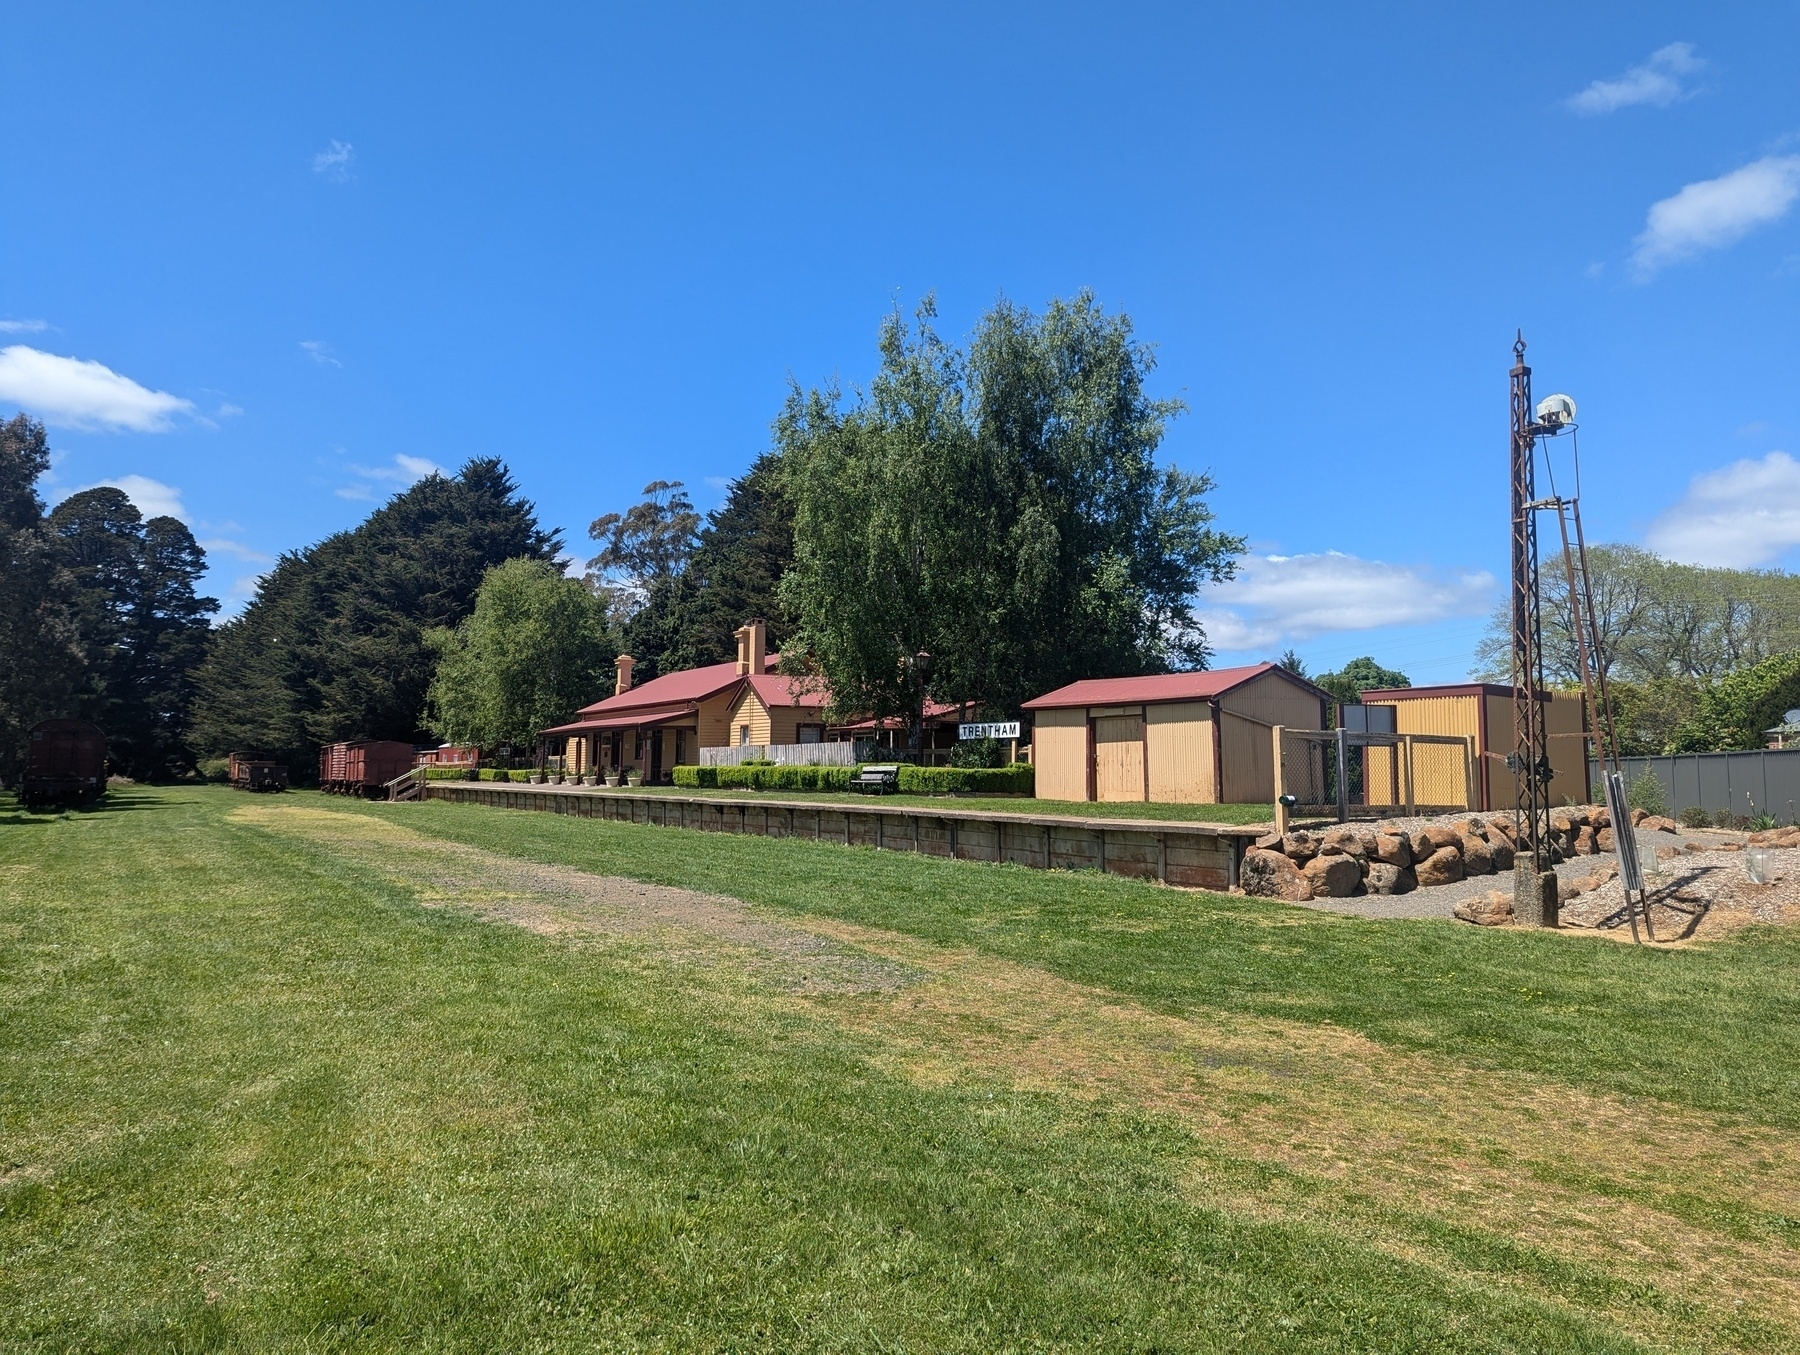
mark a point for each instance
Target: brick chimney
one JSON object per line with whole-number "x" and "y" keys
{"x": 753, "y": 646}
{"x": 622, "y": 666}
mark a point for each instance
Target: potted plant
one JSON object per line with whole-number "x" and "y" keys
{"x": 613, "y": 779}
{"x": 634, "y": 777}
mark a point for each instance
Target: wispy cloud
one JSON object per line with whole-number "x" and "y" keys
{"x": 219, "y": 545}
{"x": 1740, "y": 516}
{"x": 1717, "y": 212}
{"x": 1657, "y": 82}
{"x": 406, "y": 471}
{"x": 150, "y": 497}
{"x": 334, "y": 162}
{"x": 23, "y": 326}
{"x": 320, "y": 352}
{"x": 86, "y": 396}
{"x": 1277, "y": 599}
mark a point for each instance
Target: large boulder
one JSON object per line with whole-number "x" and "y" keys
{"x": 1394, "y": 849}
{"x": 1600, "y": 818}
{"x": 1492, "y": 909}
{"x": 1442, "y": 835}
{"x": 1348, "y": 841}
{"x": 1504, "y": 824}
{"x": 1420, "y": 844}
{"x": 1501, "y": 852}
{"x": 1385, "y": 878}
{"x": 1300, "y": 846}
{"x": 1271, "y": 875}
{"x": 1478, "y": 859}
{"x": 1604, "y": 841}
{"x": 1656, "y": 823}
{"x": 1336, "y": 876}
{"x": 1584, "y": 842}
{"x": 1442, "y": 867}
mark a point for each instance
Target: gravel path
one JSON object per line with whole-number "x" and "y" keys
{"x": 1441, "y": 900}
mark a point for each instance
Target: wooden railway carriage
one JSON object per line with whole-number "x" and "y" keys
{"x": 65, "y": 764}
{"x": 363, "y": 766}
{"x": 246, "y": 771}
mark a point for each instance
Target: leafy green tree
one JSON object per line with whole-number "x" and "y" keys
{"x": 535, "y": 649}
{"x": 732, "y": 577}
{"x": 144, "y": 629}
{"x": 1735, "y": 711}
{"x": 333, "y": 646}
{"x": 40, "y": 647}
{"x": 1359, "y": 676}
{"x": 982, "y": 528}
{"x": 1655, "y": 619}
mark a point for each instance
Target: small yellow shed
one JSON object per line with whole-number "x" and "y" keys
{"x": 1482, "y": 711}
{"x": 1177, "y": 738}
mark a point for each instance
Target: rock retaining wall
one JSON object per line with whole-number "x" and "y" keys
{"x": 1397, "y": 858}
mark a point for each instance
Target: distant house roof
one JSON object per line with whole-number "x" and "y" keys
{"x": 691, "y": 684}
{"x": 934, "y": 710}
{"x": 1130, "y": 691}
{"x": 1379, "y": 694}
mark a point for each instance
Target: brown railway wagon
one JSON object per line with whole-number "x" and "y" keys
{"x": 65, "y": 764}
{"x": 246, "y": 771}
{"x": 362, "y": 766}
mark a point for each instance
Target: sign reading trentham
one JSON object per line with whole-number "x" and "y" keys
{"x": 1006, "y": 729}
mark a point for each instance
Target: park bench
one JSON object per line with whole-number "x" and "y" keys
{"x": 884, "y": 780}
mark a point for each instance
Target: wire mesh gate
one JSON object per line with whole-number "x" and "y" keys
{"x": 1349, "y": 773}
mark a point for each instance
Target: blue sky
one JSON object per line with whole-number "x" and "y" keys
{"x": 270, "y": 263}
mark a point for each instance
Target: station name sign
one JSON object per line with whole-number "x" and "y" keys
{"x": 1006, "y": 729}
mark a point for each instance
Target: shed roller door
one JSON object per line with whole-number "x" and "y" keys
{"x": 1119, "y": 757}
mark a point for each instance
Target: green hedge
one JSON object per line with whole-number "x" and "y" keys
{"x": 1015, "y": 780}
{"x": 1018, "y": 779}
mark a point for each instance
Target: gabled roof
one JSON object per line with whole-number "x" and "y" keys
{"x": 934, "y": 710}
{"x": 774, "y": 690}
{"x": 691, "y": 684}
{"x": 1130, "y": 691}
{"x": 635, "y": 718}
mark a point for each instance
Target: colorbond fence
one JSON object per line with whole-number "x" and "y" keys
{"x": 1767, "y": 780}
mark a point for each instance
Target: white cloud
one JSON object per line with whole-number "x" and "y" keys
{"x": 71, "y": 393}
{"x": 23, "y": 326}
{"x": 236, "y": 549}
{"x": 1657, "y": 82}
{"x": 152, "y": 498}
{"x": 1277, "y": 599}
{"x": 335, "y": 162}
{"x": 1742, "y": 515}
{"x": 320, "y": 352}
{"x": 1717, "y": 212}
{"x": 406, "y": 471}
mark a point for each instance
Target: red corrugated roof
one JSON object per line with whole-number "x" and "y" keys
{"x": 773, "y": 690}
{"x": 642, "y": 716}
{"x": 934, "y": 710}
{"x": 1202, "y": 686}
{"x": 691, "y": 684}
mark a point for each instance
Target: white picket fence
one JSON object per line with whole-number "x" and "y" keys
{"x": 781, "y": 754}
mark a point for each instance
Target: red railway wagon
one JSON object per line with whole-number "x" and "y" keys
{"x": 65, "y": 764}
{"x": 362, "y": 766}
{"x": 246, "y": 771}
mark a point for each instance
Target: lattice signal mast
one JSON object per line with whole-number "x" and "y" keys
{"x": 1534, "y": 883}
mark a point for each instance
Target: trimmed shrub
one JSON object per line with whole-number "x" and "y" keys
{"x": 979, "y": 753}
{"x": 446, "y": 774}
{"x": 696, "y": 778}
{"x": 1695, "y": 817}
{"x": 767, "y": 776}
{"x": 1018, "y": 779}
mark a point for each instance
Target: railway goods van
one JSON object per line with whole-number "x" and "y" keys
{"x": 363, "y": 766}
{"x": 65, "y": 764}
{"x": 246, "y": 771}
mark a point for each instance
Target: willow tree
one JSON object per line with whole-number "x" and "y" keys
{"x": 984, "y": 526}
{"x": 535, "y": 649}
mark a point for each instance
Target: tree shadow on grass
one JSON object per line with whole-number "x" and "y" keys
{"x": 115, "y": 801}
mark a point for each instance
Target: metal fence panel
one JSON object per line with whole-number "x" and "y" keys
{"x": 1759, "y": 781}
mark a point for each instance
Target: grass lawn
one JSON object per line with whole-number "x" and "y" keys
{"x": 302, "y": 1074}
{"x": 1004, "y": 804}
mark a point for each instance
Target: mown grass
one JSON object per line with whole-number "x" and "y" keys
{"x": 1004, "y": 804}
{"x": 253, "y": 1096}
{"x": 1709, "y": 1027}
